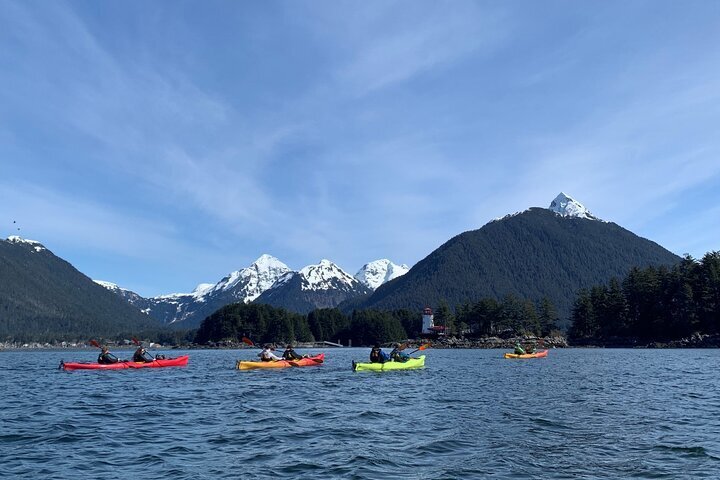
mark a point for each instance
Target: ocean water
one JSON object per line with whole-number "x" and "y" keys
{"x": 579, "y": 413}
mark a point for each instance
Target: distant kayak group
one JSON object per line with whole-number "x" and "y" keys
{"x": 379, "y": 360}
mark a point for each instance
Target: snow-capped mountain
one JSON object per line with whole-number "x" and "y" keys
{"x": 247, "y": 284}
{"x": 374, "y": 274}
{"x": 189, "y": 309}
{"x": 36, "y": 246}
{"x": 567, "y": 206}
{"x": 324, "y": 285}
{"x": 132, "y": 297}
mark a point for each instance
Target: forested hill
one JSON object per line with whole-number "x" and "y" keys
{"x": 44, "y": 298}
{"x": 533, "y": 254}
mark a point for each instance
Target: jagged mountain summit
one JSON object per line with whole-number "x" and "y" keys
{"x": 566, "y": 206}
{"x": 324, "y": 285}
{"x": 187, "y": 310}
{"x": 376, "y": 273}
{"x": 247, "y": 284}
{"x": 321, "y": 285}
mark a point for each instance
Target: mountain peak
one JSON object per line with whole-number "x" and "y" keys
{"x": 566, "y": 206}
{"x": 324, "y": 275}
{"x": 37, "y": 246}
{"x": 375, "y": 273}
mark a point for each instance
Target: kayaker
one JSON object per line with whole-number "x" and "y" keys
{"x": 142, "y": 356}
{"x": 377, "y": 355}
{"x": 519, "y": 349}
{"x": 290, "y": 354}
{"x": 398, "y": 355}
{"x": 530, "y": 349}
{"x": 267, "y": 354}
{"x": 106, "y": 358}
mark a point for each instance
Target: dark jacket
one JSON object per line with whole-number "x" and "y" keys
{"x": 142, "y": 356}
{"x": 290, "y": 354}
{"x": 107, "y": 358}
{"x": 378, "y": 356}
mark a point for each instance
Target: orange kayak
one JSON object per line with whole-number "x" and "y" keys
{"x": 303, "y": 362}
{"x": 538, "y": 354}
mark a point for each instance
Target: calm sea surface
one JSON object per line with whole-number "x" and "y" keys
{"x": 579, "y": 413}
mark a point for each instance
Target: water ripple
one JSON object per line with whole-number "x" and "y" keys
{"x": 468, "y": 414}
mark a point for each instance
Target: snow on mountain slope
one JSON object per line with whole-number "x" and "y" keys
{"x": 566, "y": 206}
{"x": 239, "y": 286}
{"x": 37, "y": 246}
{"x": 376, "y": 273}
{"x": 251, "y": 281}
{"x": 325, "y": 276}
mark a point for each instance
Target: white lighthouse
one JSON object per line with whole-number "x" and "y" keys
{"x": 428, "y": 321}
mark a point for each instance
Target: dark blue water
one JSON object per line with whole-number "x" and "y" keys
{"x": 468, "y": 414}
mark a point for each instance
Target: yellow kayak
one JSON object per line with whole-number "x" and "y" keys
{"x": 418, "y": 362}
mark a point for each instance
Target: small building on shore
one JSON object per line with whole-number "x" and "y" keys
{"x": 429, "y": 329}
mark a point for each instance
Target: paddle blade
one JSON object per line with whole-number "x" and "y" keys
{"x": 423, "y": 347}
{"x": 248, "y": 341}
{"x": 95, "y": 344}
{"x": 136, "y": 341}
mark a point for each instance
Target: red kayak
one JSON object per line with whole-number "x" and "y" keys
{"x": 158, "y": 363}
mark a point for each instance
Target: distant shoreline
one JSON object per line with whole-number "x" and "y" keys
{"x": 486, "y": 343}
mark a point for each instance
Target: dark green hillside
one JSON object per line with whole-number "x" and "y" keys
{"x": 259, "y": 322}
{"x": 534, "y": 255}
{"x": 44, "y": 298}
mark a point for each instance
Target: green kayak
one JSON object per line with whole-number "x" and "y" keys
{"x": 418, "y": 362}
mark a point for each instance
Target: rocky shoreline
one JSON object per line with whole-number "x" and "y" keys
{"x": 696, "y": 340}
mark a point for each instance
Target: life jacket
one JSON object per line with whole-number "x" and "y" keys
{"x": 291, "y": 355}
{"x": 376, "y": 355}
{"x": 142, "y": 357}
{"x": 107, "y": 358}
{"x": 399, "y": 356}
{"x": 265, "y": 356}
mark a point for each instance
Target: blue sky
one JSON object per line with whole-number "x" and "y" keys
{"x": 163, "y": 144}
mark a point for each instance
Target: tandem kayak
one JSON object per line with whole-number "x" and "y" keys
{"x": 538, "y": 354}
{"x": 415, "y": 362}
{"x": 157, "y": 363}
{"x": 303, "y": 362}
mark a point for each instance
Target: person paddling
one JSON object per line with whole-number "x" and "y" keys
{"x": 377, "y": 355}
{"x": 267, "y": 354}
{"x": 397, "y": 354}
{"x": 291, "y": 354}
{"x": 142, "y": 356}
{"x": 519, "y": 349}
{"x": 107, "y": 358}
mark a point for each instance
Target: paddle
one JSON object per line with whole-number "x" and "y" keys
{"x": 140, "y": 344}
{"x": 421, "y": 347}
